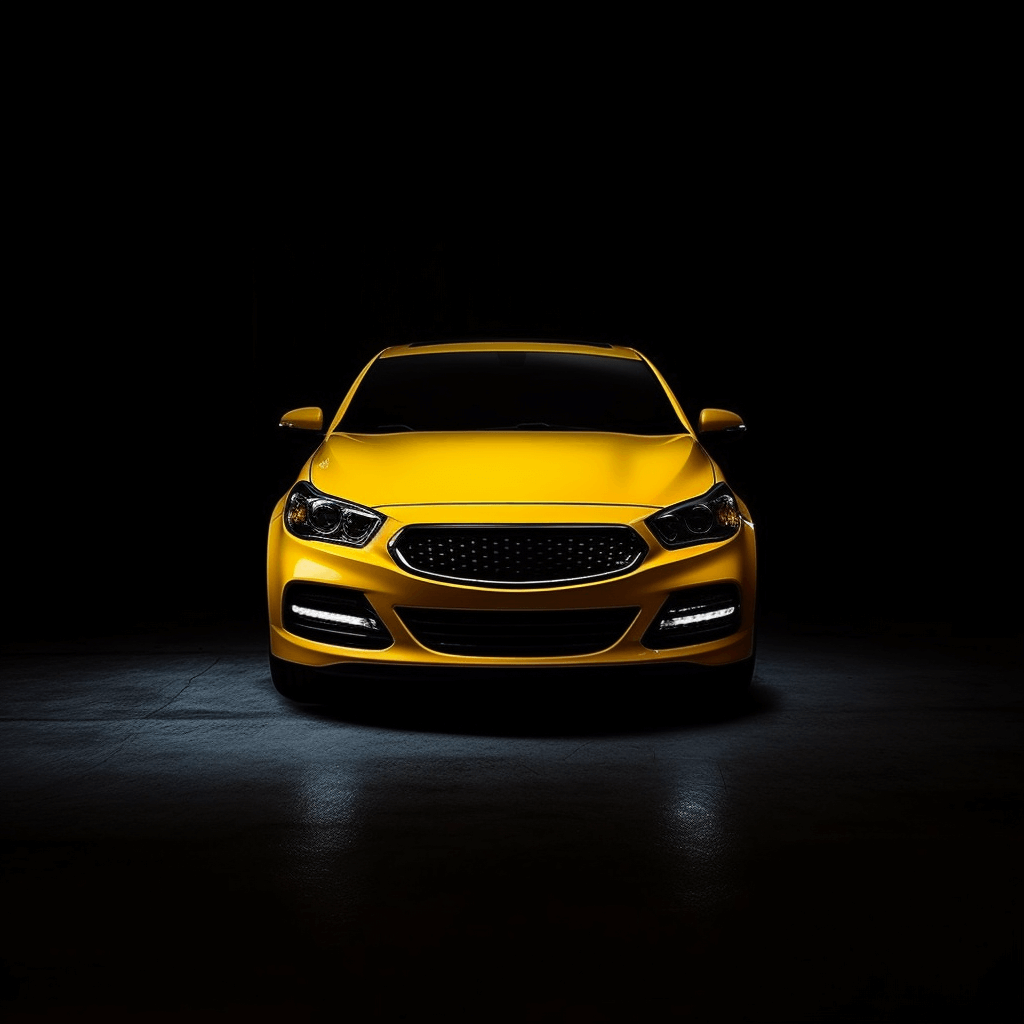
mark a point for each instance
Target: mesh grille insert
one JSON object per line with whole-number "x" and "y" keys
{"x": 518, "y": 556}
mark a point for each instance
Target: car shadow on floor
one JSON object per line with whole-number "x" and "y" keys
{"x": 558, "y": 706}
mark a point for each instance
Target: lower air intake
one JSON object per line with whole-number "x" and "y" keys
{"x": 518, "y": 634}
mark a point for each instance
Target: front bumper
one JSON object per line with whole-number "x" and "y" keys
{"x": 640, "y": 596}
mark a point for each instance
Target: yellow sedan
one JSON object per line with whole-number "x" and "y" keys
{"x": 503, "y": 504}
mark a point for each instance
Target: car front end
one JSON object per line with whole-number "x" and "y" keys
{"x": 521, "y": 547}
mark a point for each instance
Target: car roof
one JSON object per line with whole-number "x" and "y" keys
{"x": 603, "y": 348}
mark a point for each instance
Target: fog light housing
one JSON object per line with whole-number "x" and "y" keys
{"x": 695, "y": 617}
{"x": 333, "y": 615}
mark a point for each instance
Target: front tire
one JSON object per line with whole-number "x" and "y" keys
{"x": 732, "y": 682}
{"x": 735, "y": 680}
{"x": 295, "y": 682}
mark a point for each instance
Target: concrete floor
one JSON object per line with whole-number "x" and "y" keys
{"x": 179, "y": 843}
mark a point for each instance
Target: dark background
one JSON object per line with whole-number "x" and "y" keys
{"x": 802, "y": 222}
{"x": 852, "y": 330}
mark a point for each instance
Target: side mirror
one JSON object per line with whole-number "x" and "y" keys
{"x": 721, "y": 422}
{"x": 309, "y": 417}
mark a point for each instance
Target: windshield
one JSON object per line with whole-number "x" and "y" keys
{"x": 509, "y": 390}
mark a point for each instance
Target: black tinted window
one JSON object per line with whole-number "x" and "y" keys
{"x": 510, "y": 390}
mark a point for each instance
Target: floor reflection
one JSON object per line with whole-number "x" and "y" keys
{"x": 586, "y": 865}
{"x": 703, "y": 840}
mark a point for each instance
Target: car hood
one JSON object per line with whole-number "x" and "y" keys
{"x": 515, "y": 466}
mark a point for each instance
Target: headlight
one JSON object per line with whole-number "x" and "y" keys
{"x": 312, "y": 515}
{"x": 712, "y": 517}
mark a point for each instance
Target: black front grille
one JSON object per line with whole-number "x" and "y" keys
{"x": 517, "y": 634}
{"x": 518, "y": 556}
